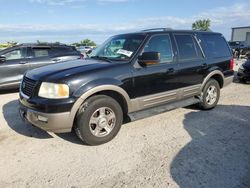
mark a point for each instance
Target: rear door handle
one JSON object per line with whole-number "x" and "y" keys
{"x": 56, "y": 60}
{"x": 23, "y": 62}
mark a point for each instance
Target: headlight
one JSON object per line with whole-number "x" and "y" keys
{"x": 241, "y": 67}
{"x": 53, "y": 91}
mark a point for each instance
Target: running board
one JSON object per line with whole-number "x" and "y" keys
{"x": 163, "y": 108}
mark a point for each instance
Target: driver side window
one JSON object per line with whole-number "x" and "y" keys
{"x": 162, "y": 45}
{"x": 16, "y": 54}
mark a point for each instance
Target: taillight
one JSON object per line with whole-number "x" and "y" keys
{"x": 231, "y": 64}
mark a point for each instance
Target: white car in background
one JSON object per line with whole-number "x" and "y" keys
{"x": 86, "y": 49}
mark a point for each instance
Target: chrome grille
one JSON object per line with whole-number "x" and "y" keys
{"x": 28, "y": 86}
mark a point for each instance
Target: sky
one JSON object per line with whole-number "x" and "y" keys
{"x": 69, "y": 21}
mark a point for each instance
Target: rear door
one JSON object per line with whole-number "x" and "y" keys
{"x": 39, "y": 56}
{"x": 12, "y": 70}
{"x": 192, "y": 64}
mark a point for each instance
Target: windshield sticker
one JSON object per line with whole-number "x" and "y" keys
{"x": 124, "y": 52}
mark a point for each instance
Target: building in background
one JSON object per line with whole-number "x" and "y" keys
{"x": 241, "y": 34}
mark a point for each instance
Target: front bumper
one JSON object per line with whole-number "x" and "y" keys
{"x": 52, "y": 122}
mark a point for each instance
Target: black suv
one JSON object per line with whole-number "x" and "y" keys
{"x": 130, "y": 75}
{"x": 15, "y": 61}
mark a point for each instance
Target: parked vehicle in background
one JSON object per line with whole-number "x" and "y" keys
{"x": 244, "y": 70}
{"x": 135, "y": 75}
{"x": 82, "y": 51}
{"x": 236, "y": 45}
{"x": 15, "y": 61}
{"x": 86, "y": 49}
{"x": 239, "y": 48}
{"x": 245, "y": 50}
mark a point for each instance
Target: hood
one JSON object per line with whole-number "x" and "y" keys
{"x": 66, "y": 69}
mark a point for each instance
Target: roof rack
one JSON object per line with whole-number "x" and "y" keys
{"x": 158, "y": 29}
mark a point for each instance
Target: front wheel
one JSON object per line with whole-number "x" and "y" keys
{"x": 210, "y": 95}
{"x": 98, "y": 120}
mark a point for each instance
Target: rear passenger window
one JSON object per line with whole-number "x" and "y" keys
{"x": 215, "y": 45}
{"x": 187, "y": 47}
{"x": 161, "y": 44}
{"x": 40, "y": 52}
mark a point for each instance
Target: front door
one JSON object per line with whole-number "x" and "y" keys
{"x": 152, "y": 83}
{"x": 13, "y": 68}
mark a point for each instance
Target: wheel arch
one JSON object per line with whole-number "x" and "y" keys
{"x": 215, "y": 74}
{"x": 116, "y": 92}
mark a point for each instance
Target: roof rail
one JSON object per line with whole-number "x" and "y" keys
{"x": 43, "y": 43}
{"x": 158, "y": 29}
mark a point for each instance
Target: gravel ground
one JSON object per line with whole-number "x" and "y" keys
{"x": 185, "y": 147}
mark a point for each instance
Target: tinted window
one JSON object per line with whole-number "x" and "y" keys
{"x": 215, "y": 45}
{"x": 161, "y": 44}
{"x": 63, "y": 50}
{"x": 40, "y": 52}
{"x": 16, "y": 54}
{"x": 187, "y": 47}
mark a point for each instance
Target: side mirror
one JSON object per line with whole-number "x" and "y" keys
{"x": 149, "y": 58}
{"x": 2, "y": 59}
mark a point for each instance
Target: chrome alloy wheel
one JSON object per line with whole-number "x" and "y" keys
{"x": 102, "y": 122}
{"x": 211, "y": 96}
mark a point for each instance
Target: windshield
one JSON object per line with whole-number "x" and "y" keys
{"x": 120, "y": 47}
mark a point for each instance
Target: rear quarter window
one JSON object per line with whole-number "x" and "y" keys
{"x": 215, "y": 46}
{"x": 40, "y": 52}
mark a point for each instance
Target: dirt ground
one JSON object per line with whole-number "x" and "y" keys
{"x": 185, "y": 147}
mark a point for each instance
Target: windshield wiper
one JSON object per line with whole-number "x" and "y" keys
{"x": 102, "y": 58}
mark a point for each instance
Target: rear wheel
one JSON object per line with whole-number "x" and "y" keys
{"x": 98, "y": 120}
{"x": 210, "y": 95}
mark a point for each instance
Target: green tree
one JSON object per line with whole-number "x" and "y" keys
{"x": 87, "y": 42}
{"x": 202, "y": 25}
{"x": 11, "y": 43}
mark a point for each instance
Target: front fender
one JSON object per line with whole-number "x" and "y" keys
{"x": 96, "y": 83}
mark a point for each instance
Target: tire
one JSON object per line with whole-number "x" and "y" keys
{"x": 98, "y": 120}
{"x": 210, "y": 95}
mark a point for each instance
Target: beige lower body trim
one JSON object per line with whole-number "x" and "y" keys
{"x": 149, "y": 101}
{"x": 63, "y": 122}
{"x": 57, "y": 122}
{"x": 228, "y": 80}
